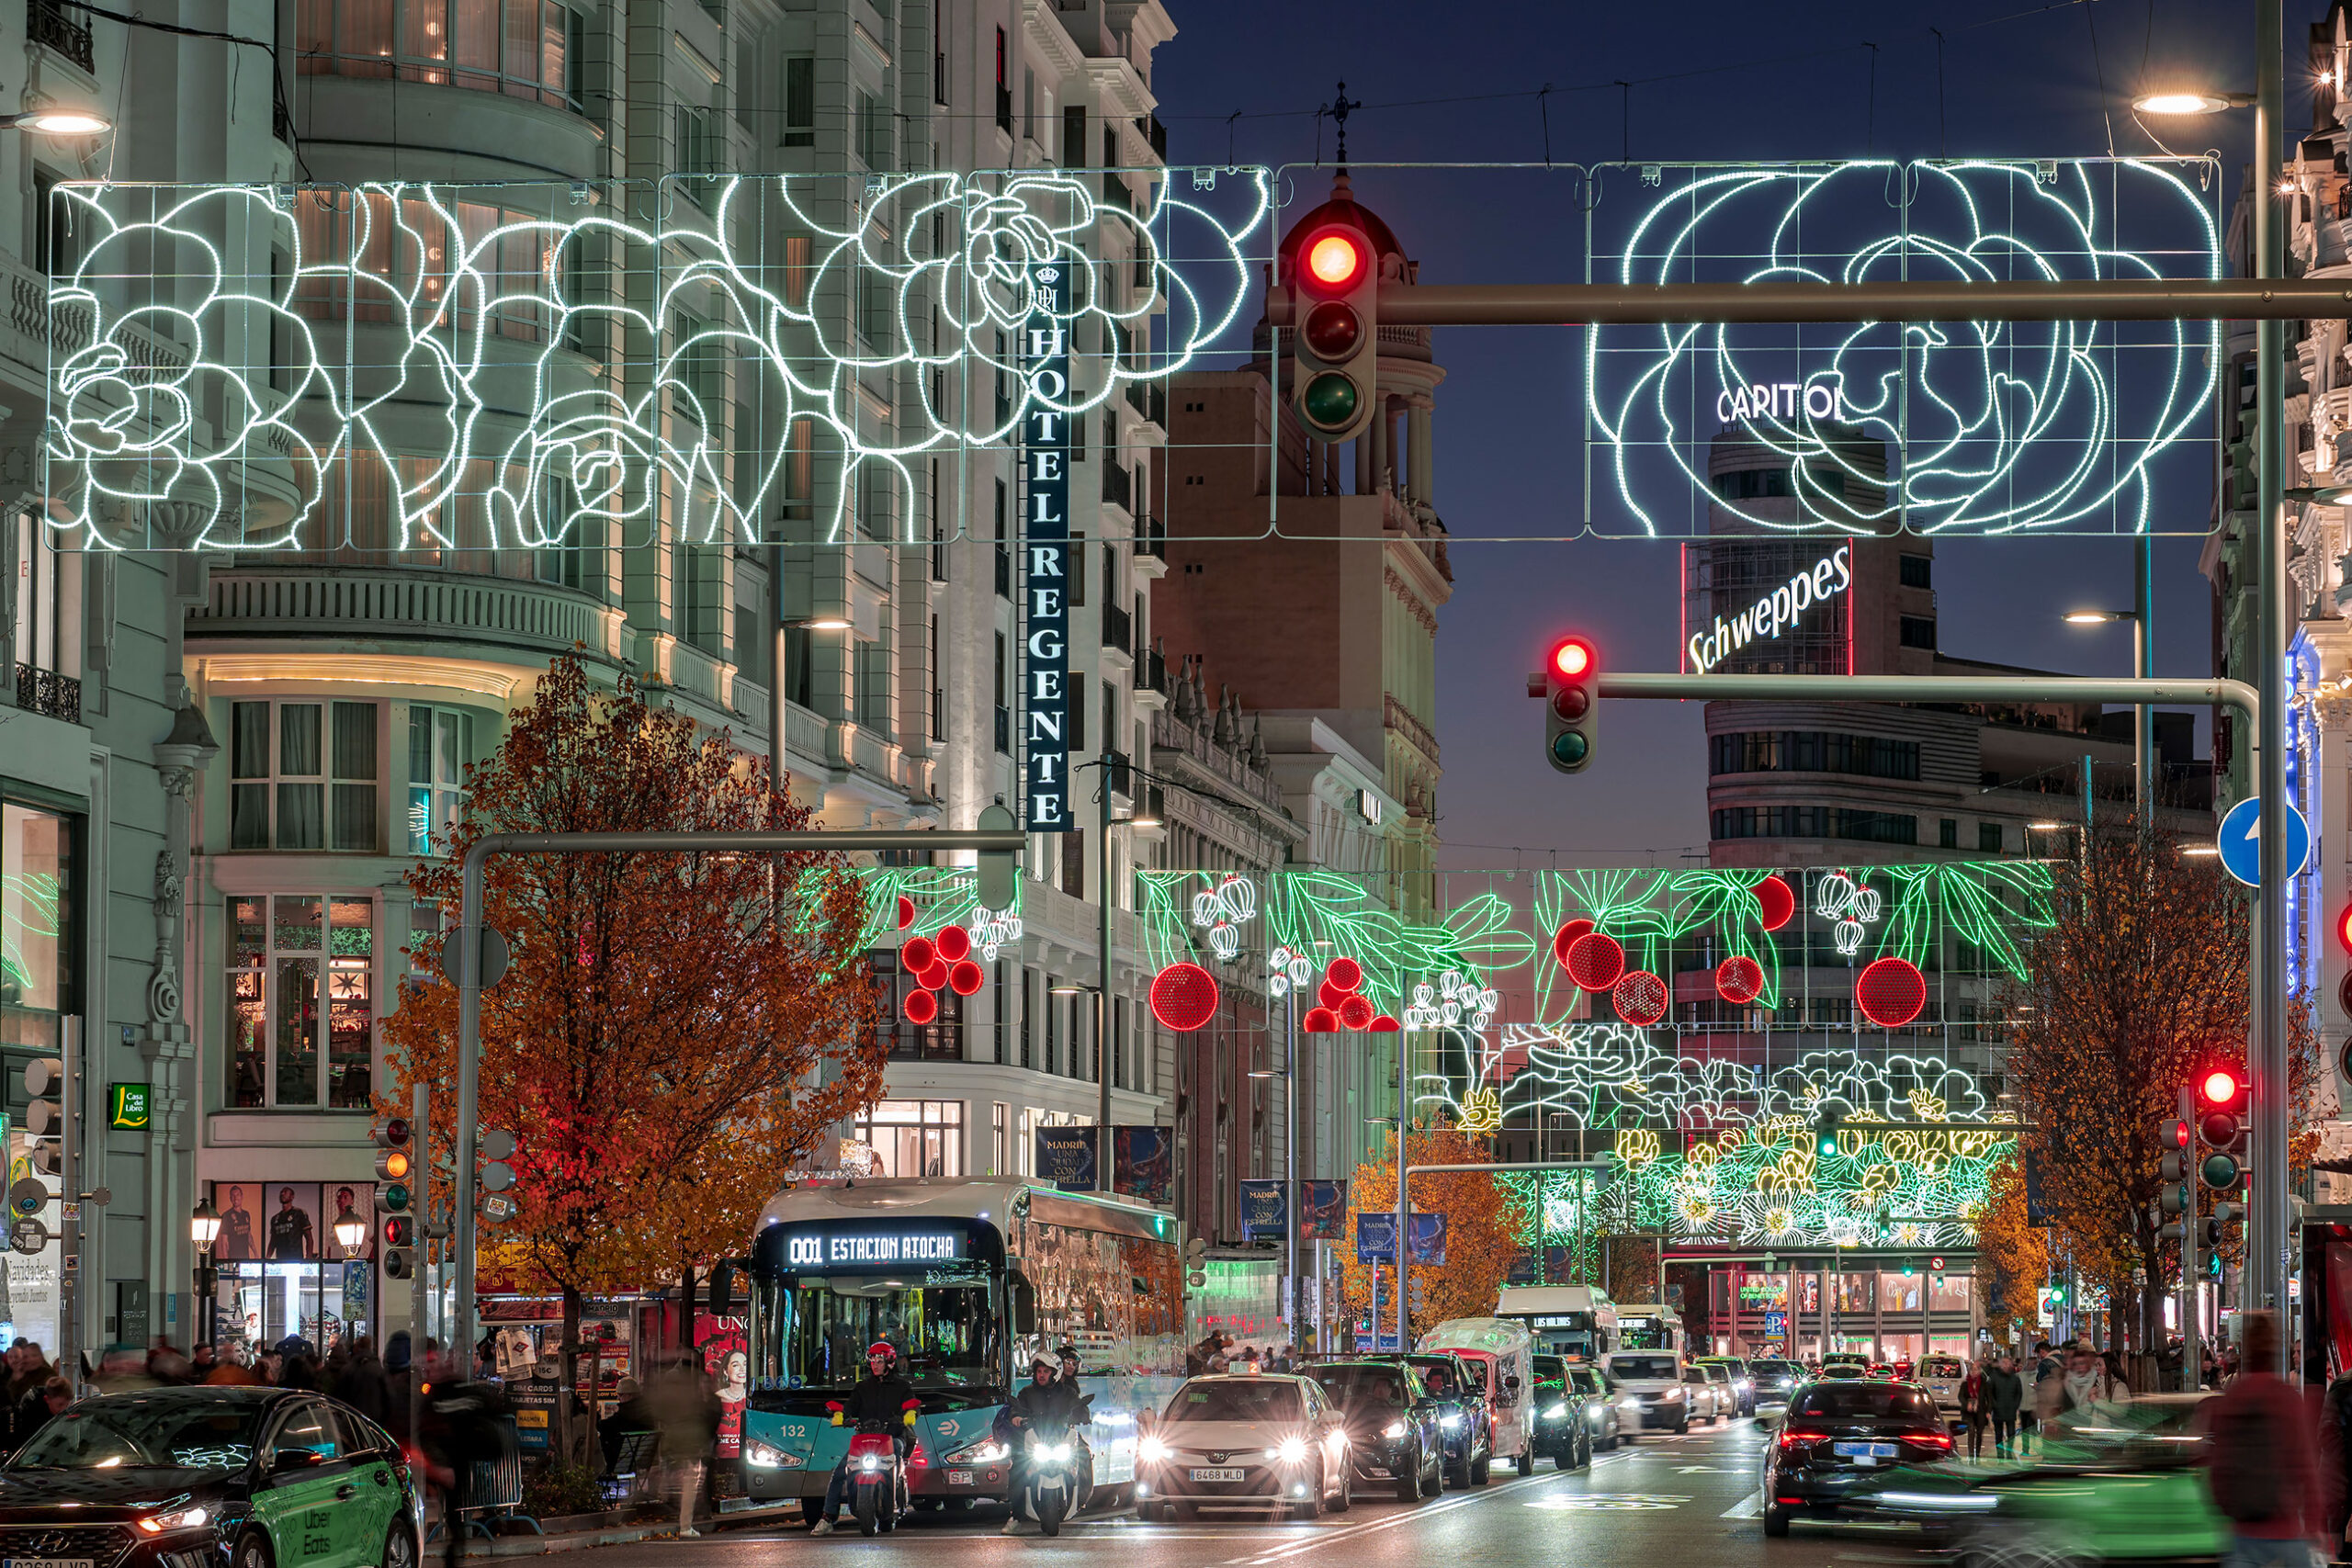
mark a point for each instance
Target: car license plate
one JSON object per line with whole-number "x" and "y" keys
{"x": 959, "y": 1478}
{"x": 46, "y": 1563}
{"x": 1867, "y": 1452}
{"x": 1228, "y": 1472}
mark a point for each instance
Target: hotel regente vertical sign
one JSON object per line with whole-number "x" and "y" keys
{"x": 1044, "y": 552}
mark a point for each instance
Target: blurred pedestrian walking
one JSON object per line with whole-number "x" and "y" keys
{"x": 1975, "y": 1408}
{"x": 2004, "y": 1396}
{"x": 2259, "y": 1460}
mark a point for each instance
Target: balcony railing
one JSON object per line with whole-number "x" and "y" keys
{"x": 49, "y": 26}
{"x": 1117, "y": 489}
{"x": 1004, "y": 108}
{"x": 1003, "y": 572}
{"x": 1004, "y": 732}
{"x": 1115, "y": 623}
{"x": 1151, "y": 537}
{"x": 1155, "y": 134}
{"x": 1118, "y": 776}
{"x": 46, "y": 693}
{"x": 1151, "y": 672}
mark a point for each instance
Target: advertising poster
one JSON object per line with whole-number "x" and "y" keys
{"x": 1142, "y": 1162}
{"x": 349, "y": 1203}
{"x": 291, "y": 1232}
{"x": 725, "y": 1344}
{"x": 241, "y": 1231}
{"x": 1262, "y": 1208}
{"x": 1376, "y": 1238}
{"x": 1427, "y": 1233}
{"x": 533, "y": 1401}
{"x": 1066, "y": 1158}
{"x": 1322, "y": 1210}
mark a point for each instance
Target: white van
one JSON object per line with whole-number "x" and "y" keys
{"x": 1507, "y": 1354}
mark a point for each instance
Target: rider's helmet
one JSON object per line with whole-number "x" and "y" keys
{"x": 1041, "y": 1367}
{"x": 882, "y": 1350}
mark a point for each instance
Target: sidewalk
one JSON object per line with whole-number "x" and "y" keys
{"x": 581, "y": 1532}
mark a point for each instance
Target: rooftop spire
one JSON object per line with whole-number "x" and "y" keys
{"x": 1338, "y": 108}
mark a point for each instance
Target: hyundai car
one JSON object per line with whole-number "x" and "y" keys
{"x": 1242, "y": 1440}
{"x": 204, "y": 1476}
{"x": 1571, "y": 1405}
{"x": 1394, "y": 1436}
{"x": 1838, "y": 1439}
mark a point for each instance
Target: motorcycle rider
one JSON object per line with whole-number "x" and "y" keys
{"x": 884, "y": 1397}
{"x": 1041, "y": 1400}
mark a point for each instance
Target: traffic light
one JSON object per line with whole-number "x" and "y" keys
{"x": 45, "y": 1113}
{"x": 1826, "y": 1123}
{"x": 2217, "y": 1224}
{"x": 1571, "y": 703}
{"x": 2221, "y": 1126}
{"x": 1335, "y": 352}
{"x": 395, "y": 1192}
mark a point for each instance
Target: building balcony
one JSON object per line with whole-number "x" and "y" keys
{"x": 1004, "y": 107}
{"x": 1117, "y": 487}
{"x": 49, "y": 694}
{"x": 49, "y": 25}
{"x": 434, "y": 608}
{"x": 1116, "y": 625}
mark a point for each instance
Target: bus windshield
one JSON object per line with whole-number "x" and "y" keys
{"x": 943, "y": 1333}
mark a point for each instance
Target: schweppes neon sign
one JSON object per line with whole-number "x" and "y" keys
{"x": 1774, "y": 613}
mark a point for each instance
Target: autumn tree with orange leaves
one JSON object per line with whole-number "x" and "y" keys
{"x": 676, "y": 1032}
{"x": 1484, "y": 1223}
{"x": 2012, "y": 1257}
{"x": 2139, "y": 988}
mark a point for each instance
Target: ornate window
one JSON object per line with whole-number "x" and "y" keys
{"x": 517, "y": 47}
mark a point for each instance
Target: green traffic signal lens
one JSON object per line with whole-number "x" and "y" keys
{"x": 1570, "y": 749}
{"x": 2219, "y": 1171}
{"x": 392, "y": 1197}
{"x": 1330, "y": 401}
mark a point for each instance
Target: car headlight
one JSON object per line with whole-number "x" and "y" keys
{"x": 1394, "y": 1429}
{"x": 1556, "y": 1412}
{"x": 1151, "y": 1450}
{"x": 1629, "y": 1402}
{"x": 1448, "y": 1422}
{"x": 987, "y": 1450}
{"x": 1290, "y": 1451}
{"x": 1672, "y": 1395}
{"x": 178, "y": 1519}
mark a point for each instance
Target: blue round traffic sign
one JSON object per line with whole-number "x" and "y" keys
{"x": 2242, "y": 850}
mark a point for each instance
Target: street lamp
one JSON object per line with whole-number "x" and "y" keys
{"x": 57, "y": 122}
{"x": 204, "y": 1229}
{"x": 2144, "y": 751}
{"x": 2191, "y": 100}
{"x": 350, "y": 1233}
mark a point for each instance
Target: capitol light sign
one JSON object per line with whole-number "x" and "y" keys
{"x": 1775, "y": 613}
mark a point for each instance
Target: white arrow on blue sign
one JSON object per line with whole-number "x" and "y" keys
{"x": 2240, "y": 843}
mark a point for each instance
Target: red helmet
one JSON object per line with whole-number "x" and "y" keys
{"x": 883, "y": 1348}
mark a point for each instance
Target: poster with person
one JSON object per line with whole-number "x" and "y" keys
{"x": 725, "y": 1344}
{"x": 350, "y": 1204}
{"x": 293, "y": 1223}
{"x": 240, "y": 1238}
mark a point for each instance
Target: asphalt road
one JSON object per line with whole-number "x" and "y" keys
{"x": 1663, "y": 1502}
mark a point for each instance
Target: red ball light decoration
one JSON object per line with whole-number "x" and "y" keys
{"x": 1320, "y": 1020}
{"x": 964, "y": 978}
{"x": 1564, "y": 938}
{"x": 1891, "y": 993}
{"x": 954, "y": 943}
{"x": 1641, "y": 998}
{"x": 1346, "y": 974}
{"x": 1383, "y": 1024}
{"x": 933, "y": 978}
{"x": 1775, "y": 904}
{"x": 1595, "y": 962}
{"x": 1739, "y": 979}
{"x": 921, "y": 1007}
{"x": 1183, "y": 996}
{"x": 905, "y": 911}
{"x": 1355, "y": 1012}
{"x": 1329, "y": 995}
{"x": 918, "y": 954}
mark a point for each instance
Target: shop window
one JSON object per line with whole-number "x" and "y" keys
{"x": 39, "y": 900}
{"x": 294, "y": 1258}
{"x": 301, "y": 1001}
{"x": 302, "y": 776}
{"x": 440, "y": 740}
{"x": 915, "y": 1137}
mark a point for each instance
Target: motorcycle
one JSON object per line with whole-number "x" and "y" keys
{"x": 877, "y": 1478}
{"x": 1049, "y": 1479}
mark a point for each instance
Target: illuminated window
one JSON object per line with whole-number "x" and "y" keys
{"x": 520, "y": 47}
{"x": 440, "y": 743}
{"x": 301, "y": 1011}
{"x": 302, "y": 776}
{"x": 38, "y": 901}
{"x": 915, "y": 1137}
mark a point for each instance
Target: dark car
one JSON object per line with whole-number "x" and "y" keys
{"x": 1838, "y": 1437}
{"x": 1563, "y": 1424}
{"x": 1776, "y": 1381}
{"x": 1465, "y": 1424}
{"x": 197, "y": 1477}
{"x": 1393, "y": 1432}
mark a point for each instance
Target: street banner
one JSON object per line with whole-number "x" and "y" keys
{"x": 1044, "y": 556}
{"x": 1322, "y": 1210}
{"x": 1376, "y": 1238}
{"x": 1066, "y": 1158}
{"x": 1262, "y": 1208}
{"x": 1142, "y": 1161}
{"x": 1427, "y": 1234}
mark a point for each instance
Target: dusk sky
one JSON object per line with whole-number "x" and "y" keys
{"x": 1765, "y": 82}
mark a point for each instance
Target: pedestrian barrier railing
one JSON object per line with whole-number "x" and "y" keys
{"x": 494, "y": 1488}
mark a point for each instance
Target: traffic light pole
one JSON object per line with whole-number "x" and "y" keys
{"x": 1008, "y": 842}
{"x": 2191, "y": 1365}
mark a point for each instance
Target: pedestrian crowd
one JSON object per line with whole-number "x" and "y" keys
{"x": 2014, "y": 1396}
{"x": 1218, "y": 1353}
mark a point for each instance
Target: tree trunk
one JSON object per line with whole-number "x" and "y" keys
{"x": 686, "y": 1310}
{"x": 568, "y": 1370}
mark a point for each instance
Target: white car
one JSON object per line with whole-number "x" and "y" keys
{"x": 1711, "y": 1396}
{"x": 1273, "y": 1441}
{"x": 1651, "y": 1392}
{"x": 1942, "y": 1377}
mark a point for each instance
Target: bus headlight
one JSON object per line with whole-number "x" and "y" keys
{"x": 762, "y": 1456}
{"x": 987, "y": 1450}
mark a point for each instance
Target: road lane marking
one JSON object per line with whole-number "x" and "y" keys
{"x": 1748, "y": 1507}
{"x": 1406, "y": 1516}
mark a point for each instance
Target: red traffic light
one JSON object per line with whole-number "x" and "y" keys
{"x": 2219, "y": 1087}
{"x": 2344, "y": 928}
{"x": 399, "y": 1231}
{"x": 1572, "y": 659}
{"x": 1336, "y": 258}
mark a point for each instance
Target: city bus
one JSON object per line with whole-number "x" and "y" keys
{"x": 1573, "y": 1321}
{"x": 1651, "y": 1326}
{"x": 969, "y": 1280}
